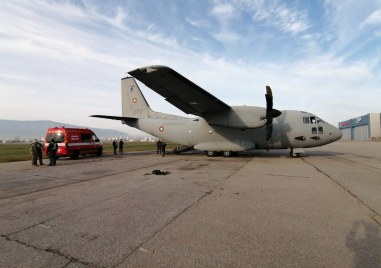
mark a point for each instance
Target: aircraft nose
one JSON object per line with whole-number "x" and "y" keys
{"x": 336, "y": 134}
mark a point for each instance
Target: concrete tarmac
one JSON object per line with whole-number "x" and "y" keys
{"x": 259, "y": 209}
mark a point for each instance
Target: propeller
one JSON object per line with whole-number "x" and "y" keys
{"x": 270, "y": 113}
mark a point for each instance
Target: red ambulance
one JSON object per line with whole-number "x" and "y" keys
{"x": 74, "y": 142}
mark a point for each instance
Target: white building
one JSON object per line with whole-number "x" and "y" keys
{"x": 362, "y": 128}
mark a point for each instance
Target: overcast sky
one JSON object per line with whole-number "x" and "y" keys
{"x": 63, "y": 60}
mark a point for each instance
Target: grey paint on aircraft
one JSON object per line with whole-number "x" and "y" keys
{"x": 219, "y": 127}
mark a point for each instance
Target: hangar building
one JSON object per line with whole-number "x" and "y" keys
{"x": 363, "y": 128}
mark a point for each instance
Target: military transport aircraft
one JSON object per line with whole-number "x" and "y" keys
{"x": 218, "y": 127}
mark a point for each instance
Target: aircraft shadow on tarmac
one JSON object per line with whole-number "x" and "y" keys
{"x": 247, "y": 154}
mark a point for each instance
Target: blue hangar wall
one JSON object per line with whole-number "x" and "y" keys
{"x": 362, "y": 128}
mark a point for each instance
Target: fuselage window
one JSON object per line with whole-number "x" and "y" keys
{"x": 306, "y": 120}
{"x": 314, "y": 131}
{"x": 320, "y": 130}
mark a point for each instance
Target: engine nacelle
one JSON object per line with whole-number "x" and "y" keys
{"x": 239, "y": 117}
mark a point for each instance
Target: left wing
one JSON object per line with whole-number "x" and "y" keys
{"x": 179, "y": 91}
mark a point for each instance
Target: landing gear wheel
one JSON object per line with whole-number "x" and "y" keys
{"x": 211, "y": 153}
{"x": 227, "y": 153}
{"x": 294, "y": 155}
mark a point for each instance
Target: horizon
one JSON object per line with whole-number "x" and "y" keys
{"x": 66, "y": 58}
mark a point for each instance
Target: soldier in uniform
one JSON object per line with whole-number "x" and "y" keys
{"x": 121, "y": 143}
{"x": 115, "y": 145}
{"x": 33, "y": 152}
{"x": 163, "y": 145}
{"x": 158, "y": 147}
{"x": 52, "y": 150}
{"x": 39, "y": 151}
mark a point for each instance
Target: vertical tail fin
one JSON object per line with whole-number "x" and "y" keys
{"x": 134, "y": 104}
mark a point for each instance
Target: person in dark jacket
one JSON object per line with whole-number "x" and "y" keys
{"x": 39, "y": 152}
{"x": 158, "y": 147}
{"x": 115, "y": 146}
{"x": 52, "y": 151}
{"x": 121, "y": 143}
{"x": 163, "y": 145}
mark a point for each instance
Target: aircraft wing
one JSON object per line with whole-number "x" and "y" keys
{"x": 179, "y": 91}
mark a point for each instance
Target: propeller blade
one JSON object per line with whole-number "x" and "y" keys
{"x": 269, "y": 99}
{"x": 269, "y": 132}
{"x": 270, "y": 113}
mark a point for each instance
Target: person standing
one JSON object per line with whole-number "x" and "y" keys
{"x": 158, "y": 147}
{"x": 163, "y": 144}
{"x": 52, "y": 151}
{"x": 39, "y": 151}
{"x": 33, "y": 152}
{"x": 121, "y": 143}
{"x": 115, "y": 146}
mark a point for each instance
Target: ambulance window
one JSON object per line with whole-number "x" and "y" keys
{"x": 306, "y": 120}
{"x": 57, "y": 136}
{"x": 314, "y": 131}
{"x": 95, "y": 138}
{"x": 86, "y": 137}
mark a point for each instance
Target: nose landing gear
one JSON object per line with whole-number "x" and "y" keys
{"x": 295, "y": 152}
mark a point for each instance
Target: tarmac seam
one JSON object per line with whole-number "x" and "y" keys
{"x": 373, "y": 215}
{"x": 44, "y": 222}
{"x": 50, "y": 250}
{"x": 210, "y": 191}
{"x": 355, "y": 162}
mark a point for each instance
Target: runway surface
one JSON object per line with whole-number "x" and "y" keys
{"x": 259, "y": 209}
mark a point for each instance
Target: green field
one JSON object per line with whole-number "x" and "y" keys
{"x": 12, "y": 152}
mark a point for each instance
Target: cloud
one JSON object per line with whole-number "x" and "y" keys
{"x": 79, "y": 52}
{"x": 276, "y": 14}
{"x": 222, "y": 10}
{"x": 373, "y": 19}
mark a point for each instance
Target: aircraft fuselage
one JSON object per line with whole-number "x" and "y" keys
{"x": 293, "y": 129}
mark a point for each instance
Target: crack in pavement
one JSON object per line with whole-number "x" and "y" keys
{"x": 372, "y": 213}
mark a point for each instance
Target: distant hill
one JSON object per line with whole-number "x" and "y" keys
{"x": 26, "y": 130}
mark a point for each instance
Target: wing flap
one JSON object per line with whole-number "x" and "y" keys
{"x": 179, "y": 91}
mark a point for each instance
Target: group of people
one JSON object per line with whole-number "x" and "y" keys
{"x": 36, "y": 149}
{"x": 115, "y": 145}
{"x": 160, "y": 147}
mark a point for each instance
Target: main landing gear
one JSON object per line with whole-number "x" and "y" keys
{"x": 215, "y": 153}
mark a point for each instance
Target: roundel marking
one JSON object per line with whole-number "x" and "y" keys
{"x": 161, "y": 128}
{"x": 134, "y": 100}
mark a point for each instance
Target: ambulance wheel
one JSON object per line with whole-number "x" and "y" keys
{"x": 75, "y": 154}
{"x": 211, "y": 153}
{"x": 99, "y": 153}
{"x": 227, "y": 153}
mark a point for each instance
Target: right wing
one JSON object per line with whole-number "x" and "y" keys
{"x": 179, "y": 91}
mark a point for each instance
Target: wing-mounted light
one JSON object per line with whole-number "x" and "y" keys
{"x": 270, "y": 113}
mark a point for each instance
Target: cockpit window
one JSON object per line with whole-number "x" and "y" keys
{"x": 312, "y": 120}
